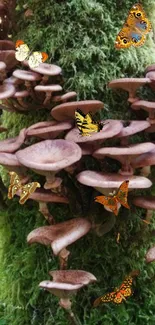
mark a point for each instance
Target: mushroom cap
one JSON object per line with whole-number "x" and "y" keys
{"x": 128, "y": 83}
{"x": 48, "y": 129}
{"x": 6, "y": 45}
{"x": 58, "y": 289}
{"x": 9, "y": 159}
{"x": 150, "y": 255}
{"x": 48, "y": 69}
{"x": 146, "y": 202}
{"x": 68, "y": 95}
{"x": 66, "y": 111}
{"x": 48, "y": 88}
{"x": 21, "y": 93}
{"x": 8, "y": 56}
{"x": 150, "y": 68}
{"x": 50, "y": 155}
{"x": 13, "y": 81}
{"x": 42, "y": 195}
{"x": 109, "y": 130}
{"x": 146, "y": 159}
{"x": 13, "y": 144}
{"x": 72, "y": 276}
{"x": 109, "y": 180}
{"x": 144, "y": 104}
{"x": 2, "y": 65}
{"x": 26, "y": 75}
{"x": 133, "y": 149}
{"x": 7, "y": 91}
{"x": 61, "y": 235}
{"x": 133, "y": 128}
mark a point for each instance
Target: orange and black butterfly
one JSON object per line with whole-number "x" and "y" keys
{"x": 119, "y": 295}
{"x": 16, "y": 185}
{"x": 112, "y": 202}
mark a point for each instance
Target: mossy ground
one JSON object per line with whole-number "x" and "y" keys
{"x": 79, "y": 36}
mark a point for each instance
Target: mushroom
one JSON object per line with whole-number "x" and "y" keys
{"x": 48, "y": 129}
{"x": 64, "y": 98}
{"x": 11, "y": 163}
{"x": 67, "y": 110}
{"x": 144, "y": 160}
{"x": 147, "y": 106}
{"x": 28, "y": 77}
{"x": 2, "y": 71}
{"x": 13, "y": 144}
{"x": 59, "y": 236}
{"x": 65, "y": 284}
{"x": 43, "y": 197}
{"x": 47, "y": 70}
{"x": 145, "y": 202}
{"x": 151, "y": 76}
{"x": 150, "y": 255}
{"x": 48, "y": 89}
{"x": 8, "y": 56}
{"x": 49, "y": 157}
{"x": 6, "y": 91}
{"x": 6, "y": 45}
{"x": 130, "y": 85}
{"x": 126, "y": 155}
{"x": 13, "y": 81}
{"x": 130, "y": 128}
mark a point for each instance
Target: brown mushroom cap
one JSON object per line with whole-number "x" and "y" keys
{"x": 6, "y": 91}
{"x": 110, "y": 129}
{"x": 133, "y": 128}
{"x": 50, "y": 155}
{"x": 61, "y": 235}
{"x": 6, "y": 45}
{"x": 48, "y": 88}
{"x": 13, "y": 144}
{"x": 8, "y": 56}
{"x": 48, "y": 69}
{"x": 26, "y": 75}
{"x": 42, "y": 195}
{"x": 145, "y": 159}
{"x": 66, "y": 111}
{"x": 112, "y": 181}
{"x": 150, "y": 256}
{"x": 48, "y": 130}
{"x": 146, "y": 202}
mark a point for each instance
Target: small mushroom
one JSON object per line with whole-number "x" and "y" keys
{"x": 66, "y": 111}
{"x": 28, "y": 77}
{"x": 145, "y": 202}
{"x": 6, "y": 45}
{"x": 43, "y": 197}
{"x": 48, "y": 90}
{"x": 126, "y": 155}
{"x": 20, "y": 95}
{"x": 151, "y": 76}
{"x": 65, "y": 284}
{"x": 49, "y": 157}
{"x": 13, "y": 144}
{"x": 147, "y": 106}
{"x": 6, "y": 91}
{"x": 150, "y": 255}
{"x": 130, "y": 85}
{"x": 11, "y": 163}
{"x": 130, "y": 128}
{"x": 64, "y": 98}
{"x": 144, "y": 160}
{"x": 8, "y": 56}
{"x": 59, "y": 236}
{"x": 2, "y": 71}
{"x": 47, "y": 70}
{"x": 48, "y": 129}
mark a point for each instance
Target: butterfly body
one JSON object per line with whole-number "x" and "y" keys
{"x": 119, "y": 295}
{"x": 16, "y": 185}
{"x": 86, "y": 123}
{"x": 134, "y": 30}
{"x": 113, "y": 202}
{"x": 23, "y": 53}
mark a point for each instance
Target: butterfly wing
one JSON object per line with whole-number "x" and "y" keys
{"x": 137, "y": 19}
{"x": 22, "y": 51}
{"x": 14, "y": 186}
{"x": 36, "y": 58}
{"x": 126, "y": 287}
{"x": 109, "y": 297}
{"x": 109, "y": 202}
{"x": 26, "y": 190}
{"x": 91, "y": 124}
{"x": 79, "y": 118}
{"x": 122, "y": 194}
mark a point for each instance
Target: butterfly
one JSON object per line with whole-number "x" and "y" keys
{"x": 16, "y": 185}
{"x": 135, "y": 28}
{"x": 111, "y": 202}
{"x": 117, "y": 296}
{"x": 34, "y": 58}
{"x": 86, "y": 123}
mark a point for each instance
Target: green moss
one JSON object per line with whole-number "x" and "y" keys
{"x": 79, "y": 36}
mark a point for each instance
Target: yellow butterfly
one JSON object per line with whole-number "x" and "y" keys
{"x": 86, "y": 123}
{"x": 111, "y": 202}
{"x": 34, "y": 58}
{"x": 117, "y": 296}
{"x": 135, "y": 28}
{"x": 16, "y": 185}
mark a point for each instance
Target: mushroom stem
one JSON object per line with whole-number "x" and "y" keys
{"x": 145, "y": 171}
{"x": 126, "y": 168}
{"x": 43, "y": 208}
{"x": 21, "y": 102}
{"x": 30, "y": 89}
{"x": 63, "y": 258}
{"x": 66, "y": 304}
{"x": 44, "y": 80}
{"x": 53, "y": 183}
{"x": 149, "y": 214}
{"x": 47, "y": 98}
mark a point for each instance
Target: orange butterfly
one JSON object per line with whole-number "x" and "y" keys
{"x": 111, "y": 202}
{"x": 34, "y": 58}
{"x": 117, "y": 296}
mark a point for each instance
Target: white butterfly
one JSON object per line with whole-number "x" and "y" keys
{"x": 34, "y": 58}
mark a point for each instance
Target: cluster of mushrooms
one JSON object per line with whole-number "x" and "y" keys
{"x": 59, "y": 146}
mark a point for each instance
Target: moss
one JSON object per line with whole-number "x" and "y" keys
{"x": 79, "y": 36}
